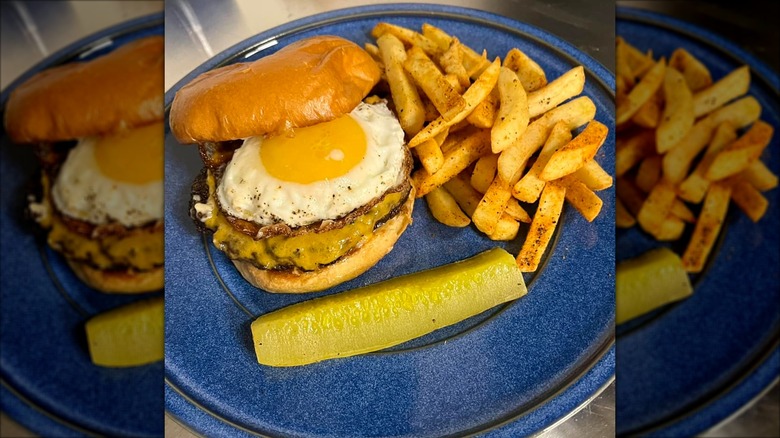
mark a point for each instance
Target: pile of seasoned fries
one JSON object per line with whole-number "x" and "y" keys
{"x": 490, "y": 135}
{"x": 684, "y": 140}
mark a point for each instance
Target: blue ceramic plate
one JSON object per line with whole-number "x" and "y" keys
{"x": 512, "y": 370}
{"x": 686, "y": 367}
{"x": 49, "y": 383}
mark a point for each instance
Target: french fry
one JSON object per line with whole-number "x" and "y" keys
{"x": 409, "y": 107}
{"x": 648, "y": 173}
{"x": 431, "y": 81}
{"x": 649, "y": 114}
{"x": 641, "y": 92}
{"x": 512, "y": 160}
{"x": 633, "y": 150}
{"x": 749, "y": 200}
{"x": 694, "y": 187}
{"x": 582, "y": 198}
{"x": 467, "y": 146}
{"x": 622, "y": 65}
{"x": 512, "y": 118}
{"x": 445, "y": 209}
{"x": 696, "y": 74}
{"x": 740, "y": 154}
{"x": 671, "y": 229}
{"x": 407, "y": 36}
{"x": 464, "y": 194}
{"x": 759, "y": 176}
{"x": 551, "y": 95}
{"x": 708, "y": 227}
{"x": 506, "y": 229}
{"x": 573, "y": 155}
{"x": 731, "y": 86}
{"x": 677, "y": 118}
{"x": 484, "y": 172}
{"x": 542, "y": 227}
{"x": 531, "y": 75}
{"x": 639, "y": 62}
{"x": 474, "y": 62}
{"x": 630, "y": 195}
{"x": 492, "y": 206}
{"x": 530, "y": 186}
{"x": 454, "y": 82}
{"x": 657, "y": 207}
{"x": 517, "y": 212}
{"x": 452, "y": 62}
{"x": 476, "y": 93}
{"x": 439, "y": 37}
{"x": 594, "y": 176}
{"x": 484, "y": 114}
{"x": 430, "y": 156}
{"x": 680, "y": 210}
{"x": 623, "y": 218}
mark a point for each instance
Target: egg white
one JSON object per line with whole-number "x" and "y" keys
{"x": 249, "y": 192}
{"x": 82, "y": 191}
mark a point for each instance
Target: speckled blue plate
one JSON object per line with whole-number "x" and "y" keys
{"x": 688, "y": 366}
{"x": 48, "y": 382}
{"x": 511, "y": 371}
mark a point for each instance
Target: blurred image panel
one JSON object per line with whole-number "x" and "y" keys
{"x": 698, "y": 304}
{"x": 81, "y": 214}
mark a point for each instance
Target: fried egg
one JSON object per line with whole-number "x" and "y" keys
{"x": 116, "y": 178}
{"x": 316, "y": 173}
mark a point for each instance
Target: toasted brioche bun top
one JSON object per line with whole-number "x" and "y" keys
{"x": 308, "y": 82}
{"x": 119, "y": 90}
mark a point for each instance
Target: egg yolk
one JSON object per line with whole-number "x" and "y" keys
{"x": 134, "y": 156}
{"x": 315, "y": 153}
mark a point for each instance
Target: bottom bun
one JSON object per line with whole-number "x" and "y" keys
{"x": 344, "y": 269}
{"x": 119, "y": 282}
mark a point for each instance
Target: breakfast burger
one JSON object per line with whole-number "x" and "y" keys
{"x": 96, "y": 127}
{"x": 305, "y": 185}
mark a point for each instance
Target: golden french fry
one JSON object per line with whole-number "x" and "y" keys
{"x": 694, "y": 187}
{"x": 573, "y": 155}
{"x": 633, "y": 150}
{"x": 476, "y": 93}
{"x": 530, "y": 185}
{"x": 623, "y": 218}
{"x": 677, "y": 161}
{"x": 740, "y": 154}
{"x": 474, "y": 62}
{"x": 708, "y": 227}
{"x": 407, "y": 36}
{"x": 677, "y": 118}
{"x": 657, "y": 207}
{"x": 452, "y": 63}
{"x": 648, "y": 173}
{"x": 484, "y": 172}
{"x": 431, "y": 81}
{"x": 484, "y": 114}
{"x": 649, "y": 114}
{"x": 517, "y": 212}
{"x": 622, "y": 65}
{"x": 759, "y": 176}
{"x": 671, "y": 229}
{"x": 464, "y": 194}
{"x": 454, "y": 82}
{"x": 749, "y": 199}
{"x": 582, "y": 198}
{"x": 542, "y": 227}
{"x": 512, "y": 118}
{"x": 512, "y": 160}
{"x": 409, "y": 107}
{"x": 506, "y": 229}
{"x": 731, "y": 86}
{"x": 680, "y": 210}
{"x": 696, "y": 74}
{"x": 594, "y": 176}
{"x": 551, "y": 95}
{"x": 492, "y": 206}
{"x": 430, "y": 155}
{"x": 639, "y": 62}
{"x": 439, "y": 37}
{"x": 444, "y": 208}
{"x": 466, "y": 146}
{"x": 531, "y": 75}
{"x": 641, "y": 92}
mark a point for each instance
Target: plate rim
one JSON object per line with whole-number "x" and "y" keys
{"x": 20, "y": 408}
{"x": 758, "y": 375}
{"x": 599, "y": 362}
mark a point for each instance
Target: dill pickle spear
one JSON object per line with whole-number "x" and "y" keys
{"x": 384, "y": 314}
{"x": 649, "y": 281}
{"x": 129, "y": 335}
